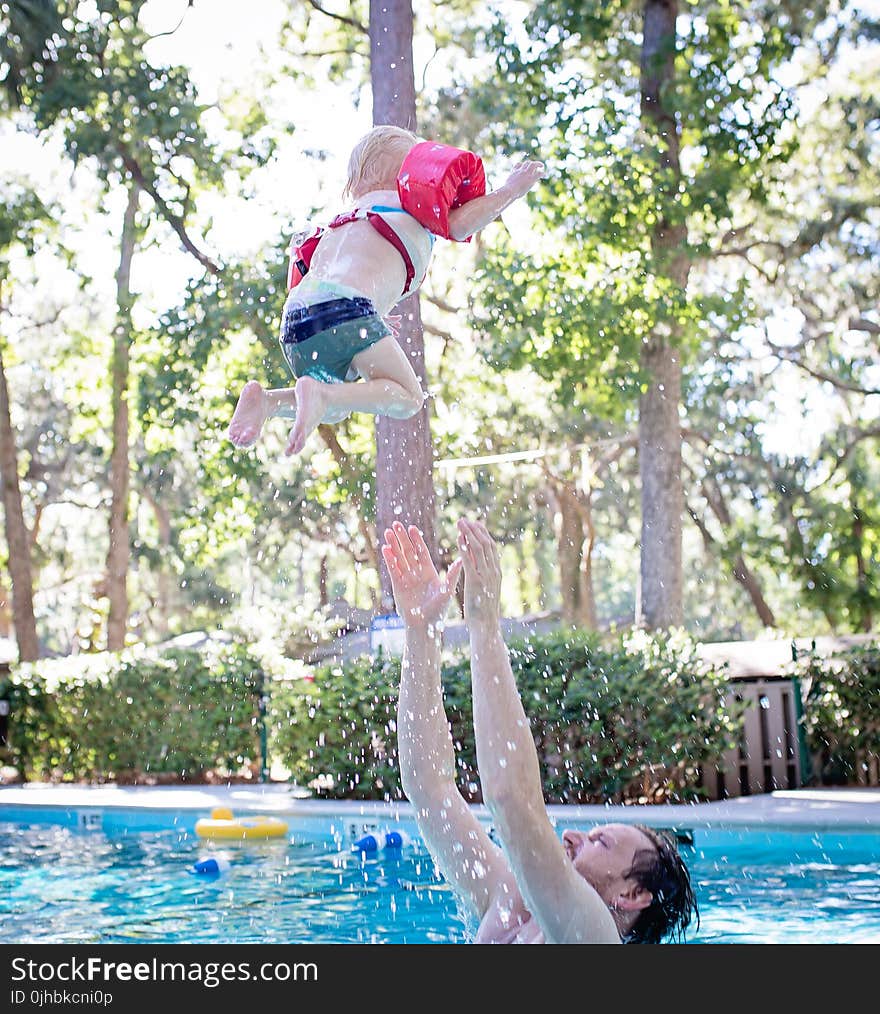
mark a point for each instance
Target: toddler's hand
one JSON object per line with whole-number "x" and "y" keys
{"x": 393, "y": 322}
{"x": 524, "y": 177}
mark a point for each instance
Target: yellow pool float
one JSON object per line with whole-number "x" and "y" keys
{"x": 221, "y": 824}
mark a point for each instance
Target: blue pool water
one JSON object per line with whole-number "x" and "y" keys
{"x": 61, "y": 884}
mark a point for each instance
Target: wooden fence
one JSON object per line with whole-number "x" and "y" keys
{"x": 771, "y": 754}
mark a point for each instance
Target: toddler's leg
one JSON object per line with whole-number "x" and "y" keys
{"x": 255, "y": 406}
{"x": 390, "y": 387}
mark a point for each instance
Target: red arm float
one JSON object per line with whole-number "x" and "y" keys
{"x": 434, "y": 179}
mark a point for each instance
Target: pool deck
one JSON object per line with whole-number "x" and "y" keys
{"x": 837, "y": 809}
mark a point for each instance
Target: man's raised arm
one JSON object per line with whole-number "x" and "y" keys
{"x": 462, "y": 850}
{"x": 566, "y": 907}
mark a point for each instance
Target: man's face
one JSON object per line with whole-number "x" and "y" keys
{"x": 604, "y": 855}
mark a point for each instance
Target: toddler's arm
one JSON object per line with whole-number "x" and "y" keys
{"x": 479, "y": 212}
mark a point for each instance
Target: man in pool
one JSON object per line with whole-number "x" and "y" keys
{"x": 614, "y": 883}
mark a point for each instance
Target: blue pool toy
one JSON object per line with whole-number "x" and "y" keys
{"x": 375, "y": 840}
{"x": 210, "y": 865}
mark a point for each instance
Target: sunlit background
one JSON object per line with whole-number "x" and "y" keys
{"x": 780, "y": 410}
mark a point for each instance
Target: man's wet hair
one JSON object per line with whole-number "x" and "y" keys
{"x": 663, "y": 872}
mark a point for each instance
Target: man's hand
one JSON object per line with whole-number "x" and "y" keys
{"x": 422, "y": 597}
{"x": 482, "y": 574}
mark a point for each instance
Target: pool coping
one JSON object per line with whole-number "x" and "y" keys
{"x": 832, "y": 808}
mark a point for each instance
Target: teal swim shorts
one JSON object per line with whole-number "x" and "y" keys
{"x": 324, "y": 327}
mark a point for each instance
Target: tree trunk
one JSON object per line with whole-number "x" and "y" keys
{"x": 659, "y": 428}
{"x": 743, "y": 573}
{"x": 574, "y": 543}
{"x": 546, "y": 574}
{"x": 588, "y": 617}
{"x": 17, "y": 540}
{"x": 323, "y": 571}
{"x": 368, "y": 533}
{"x": 525, "y": 574}
{"x": 863, "y": 595}
{"x": 741, "y": 570}
{"x": 569, "y": 545}
{"x": 118, "y": 552}
{"x": 404, "y": 454}
{"x": 164, "y": 580}
{"x": 6, "y": 627}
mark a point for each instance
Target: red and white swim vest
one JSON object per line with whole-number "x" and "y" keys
{"x": 434, "y": 179}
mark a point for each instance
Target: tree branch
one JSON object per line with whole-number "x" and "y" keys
{"x": 808, "y": 236}
{"x": 623, "y": 444}
{"x": 746, "y": 248}
{"x": 339, "y": 17}
{"x": 36, "y": 325}
{"x": 170, "y": 217}
{"x": 439, "y": 332}
{"x": 688, "y": 431}
{"x": 175, "y": 28}
{"x": 311, "y": 54}
{"x": 709, "y": 540}
{"x": 742, "y": 573}
{"x": 850, "y": 447}
{"x": 440, "y": 303}
{"x": 863, "y": 324}
{"x": 785, "y": 354}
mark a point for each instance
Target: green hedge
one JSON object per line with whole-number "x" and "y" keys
{"x": 634, "y": 718}
{"x": 335, "y": 730}
{"x": 142, "y": 715}
{"x": 613, "y": 720}
{"x": 842, "y": 714}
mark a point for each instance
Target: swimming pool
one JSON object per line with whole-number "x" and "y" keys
{"x": 82, "y": 878}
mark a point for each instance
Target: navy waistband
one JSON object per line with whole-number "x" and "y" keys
{"x": 303, "y": 322}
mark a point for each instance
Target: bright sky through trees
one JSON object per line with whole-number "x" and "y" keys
{"x": 238, "y": 56}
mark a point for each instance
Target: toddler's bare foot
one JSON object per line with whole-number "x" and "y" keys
{"x": 311, "y": 403}
{"x": 249, "y": 416}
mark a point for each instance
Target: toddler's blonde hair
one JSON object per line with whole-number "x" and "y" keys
{"x": 364, "y": 167}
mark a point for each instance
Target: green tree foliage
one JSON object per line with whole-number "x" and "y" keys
{"x": 23, "y": 218}
{"x": 778, "y": 121}
{"x": 571, "y": 95}
{"x": 27, "y": 34}
{"x": 92, "y": 78}
{"x": 778, "y": 193}
{"x": 783, "y": 414}
{"x": 87, "y": 77}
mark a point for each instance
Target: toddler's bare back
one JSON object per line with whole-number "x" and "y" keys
{"x": 356, "y": 255}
